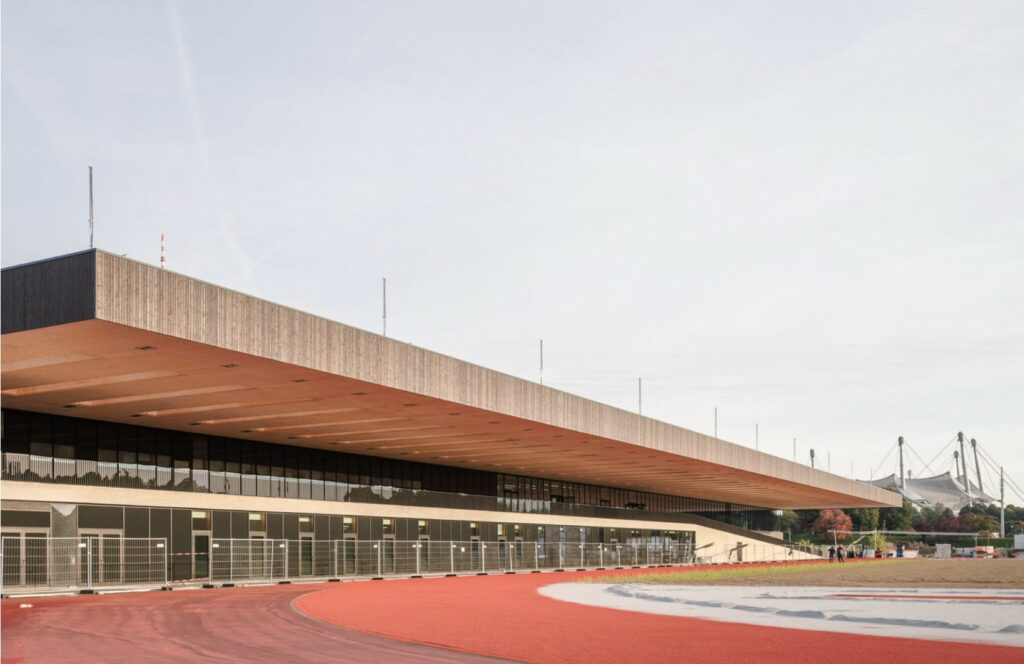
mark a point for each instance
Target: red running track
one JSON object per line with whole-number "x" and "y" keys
{"x": 256, "y": 624}
{"x": 505, "y": 616}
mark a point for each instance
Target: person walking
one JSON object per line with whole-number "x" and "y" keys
{"x": 840, "y": 555}
{"x": 831, "y": 554}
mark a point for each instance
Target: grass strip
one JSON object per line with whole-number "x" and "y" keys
{"x": 705, "y": 574}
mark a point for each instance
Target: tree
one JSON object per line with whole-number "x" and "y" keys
{"x": 865, "y": 519}
{"x": 975, "y": 522}
{"x": 897, "y": 518}
{"x": 791, "y": 523}
{"x": 833, "y": 520}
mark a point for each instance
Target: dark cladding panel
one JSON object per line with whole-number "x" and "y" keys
{"x": 275, "y": 526}
{"x": 240, "y": 525}
{"x": 321, "y": 527}
{"x": 181, "y": 531}
{"x": 160, "y": 523}
{"x": 291, "y": 526}
{"x": 24, "y": 519}
{"x": 337, "y": 528}
{"x": 50, "y": 292}
{"x": 136, "y": 522}
{"x": 221, "y": 525}
{"x": 99, "y": 516}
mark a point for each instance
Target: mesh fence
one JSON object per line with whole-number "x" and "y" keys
{"x": 102, "y": 561}
{"x": 90, "y": 561}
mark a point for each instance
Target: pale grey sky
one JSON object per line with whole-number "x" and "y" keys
{"x": 805, "y": 213}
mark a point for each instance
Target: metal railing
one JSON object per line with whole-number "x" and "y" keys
{"x": 41, "y": 564}
{"x": 34, "y": 563}
{"x": 268, "y": 560}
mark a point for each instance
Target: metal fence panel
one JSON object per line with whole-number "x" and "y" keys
{"x": 35, "y": 561}
{"x": 91, "y": 561}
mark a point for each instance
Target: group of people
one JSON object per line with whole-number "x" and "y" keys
{"x": 835, "y": 553}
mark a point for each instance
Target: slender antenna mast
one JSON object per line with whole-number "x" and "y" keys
{"x": 640, "y": 396}
{"x": 757, "y": 437}
{"x": 90, "y": 209}
{"x": 163, "y": 260}
{"x": 541, "y": 361}
{"x": 812, "y": 457}
{"x": 716, "y": 422}
{"x": 384, "y": 284}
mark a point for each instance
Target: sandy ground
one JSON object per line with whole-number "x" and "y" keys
{"x": 915, "y": 573}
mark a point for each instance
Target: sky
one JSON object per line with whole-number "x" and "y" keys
{"x": 806, "y": 215}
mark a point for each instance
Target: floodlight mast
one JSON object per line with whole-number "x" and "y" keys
{"x": 90, "y": 209}
{"x": 977, "y": 466}
{"x": 963, "y": 467}
{"x": 903, "y": 479}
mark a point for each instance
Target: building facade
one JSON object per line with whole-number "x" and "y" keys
{"x": 139, "y": 403}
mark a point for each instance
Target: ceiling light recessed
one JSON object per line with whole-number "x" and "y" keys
{"x": 300, "y": 380}
{"x": 455, "y": 414}
{"x": 229, "y": 365}
{"x": 70, "y": 405}
{"x": 359, "y": 394}
{"x": 194, "y": 424}
{"x": 409, "y": 405}
{"x": 145, "y": 348}
{"x": 246, "y": 430}
{"x": 494, "y": 422}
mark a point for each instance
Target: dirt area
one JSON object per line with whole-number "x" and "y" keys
{"x": 920, "y": 573}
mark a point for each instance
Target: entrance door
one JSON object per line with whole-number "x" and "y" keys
{"x": 26, "y": 559}
{"x": 348, "y": 556}
{"x": 388, "y": 555}
{"x": 12, "y": 559}
{"x": 201, "y": 555}
{"x": 423, "y": 555}
{"x": 257, "y": 557}
{"x": 101, "y": 557}
{"x": 306, "y": 555}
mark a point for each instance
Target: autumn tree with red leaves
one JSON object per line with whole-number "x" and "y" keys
{"x": 833, "y": 520}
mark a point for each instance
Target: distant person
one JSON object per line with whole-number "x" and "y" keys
{"x": 878, "y": 553}
{"x": 840, "y": 556}
{"x": 831, "y": 554}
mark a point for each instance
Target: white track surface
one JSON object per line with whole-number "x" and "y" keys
{"x": 968, "y": 617}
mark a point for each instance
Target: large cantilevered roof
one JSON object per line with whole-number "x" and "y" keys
{"x": 104, "y": 337}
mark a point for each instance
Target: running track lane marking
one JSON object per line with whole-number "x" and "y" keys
{"x": 962, "y": 598}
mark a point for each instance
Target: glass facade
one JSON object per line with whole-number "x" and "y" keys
{"x": 47, "y": 448}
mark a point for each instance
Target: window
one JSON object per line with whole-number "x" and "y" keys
{"x": 423, "y": 528}
{"x": 200, "y": 520}
{"x": 305, "y": 523}
{"x": 474, "y": 530}
{"x": 257, "y": 522}
{"x": 388, "y": 527}
{"x": 501, "y": 530}
{"x": 348, "y": 525}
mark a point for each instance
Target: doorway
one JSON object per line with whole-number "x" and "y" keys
{"x": 102, "y": 557}
{"x": 201, "y": 555}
